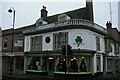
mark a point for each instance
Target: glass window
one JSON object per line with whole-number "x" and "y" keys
{"x": 97, "y": 43}
{"x": 36, "y": 43}
{"x": 109, "y": 64}
{"x": 109, "y": 46}
{"x": 5, "y": 43}
{"x": 37, "y": 63}
{"x": 73, "y": 65}
{"x": 60, "y": 40}
{"x": 98, "y": 63}
{"x": 115, "y": 47}
{"x": 83, "y": 66}
{"x": 62, "y": 17}
{"x": 116, "y": 64}
{"x": 61, "y": 66}
{"x": 105, "y": 42}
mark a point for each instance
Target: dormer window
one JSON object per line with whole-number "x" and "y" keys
{"x": 40, "y": 22}
{"x": 63, "y": 17}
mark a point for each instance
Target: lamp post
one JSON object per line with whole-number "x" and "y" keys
{"x": 12, "y": 10}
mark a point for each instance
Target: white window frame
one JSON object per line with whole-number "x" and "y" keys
{"x": 33, "y": 43}
{"x": 64, "y": 42}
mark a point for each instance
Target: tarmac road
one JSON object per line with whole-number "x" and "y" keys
{"x": 37, "y": 77}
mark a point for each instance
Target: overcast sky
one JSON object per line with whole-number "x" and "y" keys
{"x": 28, "y": 12}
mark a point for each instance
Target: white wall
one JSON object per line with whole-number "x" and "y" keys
{"x": 47, "y": 46}
{"x": 89, "y": 39}
{"x": 86, "y": 35}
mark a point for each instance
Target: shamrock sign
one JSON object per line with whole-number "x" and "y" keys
{"x": 78, "y": 40}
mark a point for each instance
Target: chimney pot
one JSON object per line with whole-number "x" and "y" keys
{"x": 44, "y": 12}
{"x": 109, "y": 25}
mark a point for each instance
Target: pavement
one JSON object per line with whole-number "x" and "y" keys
{"x": 15, "y": 76}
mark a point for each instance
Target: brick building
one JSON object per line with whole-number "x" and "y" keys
{"x": 13, "y": 53}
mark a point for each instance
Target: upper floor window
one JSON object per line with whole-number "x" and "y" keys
{"x": 97, "y": 43}
{"x": 108, "y": 46}
{"x": 116, "y": 47}
{"x": 5, "y": 43}
{"x": 20, "y": 38}
{"x": 36, "y": 43}
{"x": 109, "y": 64}
{"x": 63, "y": 17}
{"x": 60, "y": 39}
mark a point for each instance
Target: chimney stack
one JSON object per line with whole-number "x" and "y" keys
{"x": 109, "y": 25}
{"x": 44, "y": 12}
{"x": 89, "y": 10}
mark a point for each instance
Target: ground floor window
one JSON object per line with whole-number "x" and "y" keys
{"x": 37, "y": 63}
{"x": 60, "y": 63}
{"x": 83, "y": 65}
{"x": 98, "y": 63}
{"x": 19, "y": 61}
{"x": 61, "y": 66}
{"x": 73, "y": 67}
{"x": 73, "y": 64}
{"x": 109, "y": 64}
{"x": 6, "y": 63}
{"x": 116, "y": 64}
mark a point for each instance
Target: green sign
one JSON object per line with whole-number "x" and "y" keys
{"x": 78, "y": 40}
{"x": 83, "y": 57}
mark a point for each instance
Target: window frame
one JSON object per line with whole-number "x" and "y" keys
{"x": 98, "y": 70}
{"x": 55, "y": 35}
{"x": 98, "y": 43}
{"x": 110, "y": 64}
{"x": 5, "y": 42}
{"x": 33, "y": 44}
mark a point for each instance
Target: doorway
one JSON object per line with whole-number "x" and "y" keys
{"x": 50, "y": 66}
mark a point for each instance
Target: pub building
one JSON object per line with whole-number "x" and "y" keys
{"x": 88, "y": 41}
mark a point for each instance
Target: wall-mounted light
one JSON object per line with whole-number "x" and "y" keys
{"x": 50, "y": 58}
{"x": 63, "y": 59}
{"x": 74, "y": 58}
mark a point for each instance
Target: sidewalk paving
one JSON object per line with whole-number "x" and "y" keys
{"x": 115, "y": 76}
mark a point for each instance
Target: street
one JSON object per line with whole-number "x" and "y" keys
{"x": 67, "y": 77}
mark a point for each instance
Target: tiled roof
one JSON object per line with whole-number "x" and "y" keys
{"x": 74, "y": 14}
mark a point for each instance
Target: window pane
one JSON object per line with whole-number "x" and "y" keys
{"x": 109, "y": 64}
{"x": 98, "y": 63}
{"x": 98, "y": 43}
{"x": 36, "y": 43}
{"x": 5, "y": 43}
{"x": 60, "y": 40}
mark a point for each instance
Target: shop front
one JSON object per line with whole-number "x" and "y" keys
{"x": 51, "y": 64}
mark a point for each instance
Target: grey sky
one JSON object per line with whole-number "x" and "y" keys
{"x": 28, "y": 12}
